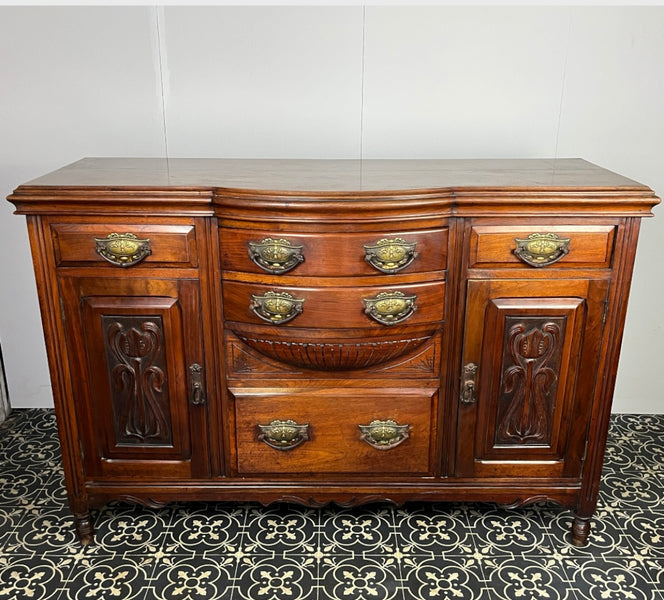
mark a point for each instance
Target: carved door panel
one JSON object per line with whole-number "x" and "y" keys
{"x": 137, "y": 347}
{"x": 529, "y": 356}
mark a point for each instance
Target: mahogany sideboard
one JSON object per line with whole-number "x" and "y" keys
{"x": 317, "y": 331}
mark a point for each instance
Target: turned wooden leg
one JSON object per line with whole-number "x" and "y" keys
{"x": 84, "y": 528}
{"x": 580, "y": 531}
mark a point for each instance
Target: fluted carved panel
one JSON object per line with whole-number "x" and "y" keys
{"x": 530, "y": 374}
{"x": 334, "y": 355}
{"x": 139, "y": 385}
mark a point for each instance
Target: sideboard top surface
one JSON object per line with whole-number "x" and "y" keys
{"x": 335, "y": 175}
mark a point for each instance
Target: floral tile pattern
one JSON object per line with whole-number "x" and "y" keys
{"x": 235, "y": 551}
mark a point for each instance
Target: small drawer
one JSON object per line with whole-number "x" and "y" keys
{"x": 124, "y": 244}
{"x": 306, "y": 433}
{"x": 333, "y": 254}
{"x": 541, "y": 245}
{"x": 334, "y": 307}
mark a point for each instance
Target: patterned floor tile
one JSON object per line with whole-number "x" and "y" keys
{"x": 361, "y": 530}
{"x": 620, "y": 456}
{"x": 282, "y": 529}
{"x": 430, "y": 530}
{"x": 632, "y": 491}
{"x": 277, "y": 579}
{"x": 122, "y": 530}
{"x": 645, "y": 533}
{"x": 33, "y": 578}
{"x": 611, "y": 579}
{"x": 21, "y": 486}
{"x": 9, "y": 520}
{"x": 193, "y": 578}
{"x": 205, "y": 529}
{"x": 502, "y": 532}
{"x": 361, "y": 578}
{"x": 639, "y": 425}
{"x": 444, "y": 578}
{"x": 525, "y": 577}
{"x": 43, "y": 531}
{"x": 95, "y": 578}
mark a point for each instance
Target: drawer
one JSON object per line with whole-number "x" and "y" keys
{"x": 541, "y": 245}
{"x": 334, "y": 307}
{"x": 157, "y": 245}
{"x": 333, "y": 254}
{"x": 316, "y": 432}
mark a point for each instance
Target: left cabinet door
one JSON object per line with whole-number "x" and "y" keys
{"x": 136, "y": 352}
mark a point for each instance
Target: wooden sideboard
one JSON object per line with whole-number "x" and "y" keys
{"x": 333, "y": 331}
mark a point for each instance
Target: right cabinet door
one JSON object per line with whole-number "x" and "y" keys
{"x": 530, "y": 355}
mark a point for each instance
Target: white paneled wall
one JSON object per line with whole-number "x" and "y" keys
{"x": 337, "y": 82}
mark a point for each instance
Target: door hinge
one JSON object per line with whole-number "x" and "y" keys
{"x": 606, "y": 311}
{"x": 80, "y": 449}
{"x": 62, "y": 309}
{"x": 585, "y": 451}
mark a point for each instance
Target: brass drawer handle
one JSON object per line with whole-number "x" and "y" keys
{"x": 122, "y": 249}
{"x": 276, "y": 307}
{"x": 390, "y": 308}
{"x": 390, "y": 256}
{"x": 283, "y": 435}
{"x": 541, "y": 249}
{"x": 384, "y": 435}
{"x": 275, "y": 256}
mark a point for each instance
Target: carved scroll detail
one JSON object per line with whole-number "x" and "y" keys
{"x": 529, "y": 383}
{"x": 139, "y": 395}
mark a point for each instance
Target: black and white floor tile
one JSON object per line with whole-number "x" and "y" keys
{"x": 228, "y": 551}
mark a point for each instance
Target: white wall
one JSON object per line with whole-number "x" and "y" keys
{"x": 344, "y": 81}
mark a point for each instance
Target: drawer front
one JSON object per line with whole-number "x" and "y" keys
{"x": 124, "y": 244}
{"x": 334, "y": 307}
{"x": 309, "y": 433}
{"x": 333, "y": 254}
{"x": 541, "y": 245}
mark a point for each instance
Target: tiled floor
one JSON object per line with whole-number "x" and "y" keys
{"x": 239, "y": 552}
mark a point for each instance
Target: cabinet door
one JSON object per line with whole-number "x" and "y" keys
{"x": 529, "y": 370}
{"x": 137, "y": 356}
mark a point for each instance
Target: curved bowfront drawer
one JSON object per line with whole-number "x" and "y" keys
{"x": 307, "y": 432}
{"x": 124, "y": 244}
{"x": 333, "y": 254}
{"x": 541, "y": 245}
{"x": 334, "y": 307}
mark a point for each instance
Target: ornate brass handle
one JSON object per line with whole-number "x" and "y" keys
{"x": 468, "y": 393}
{"x": 275, "y": 256}
{"x": 122, "y": 249}
{"x": 276, "y": 307}
{"x": 390, "y": 256}
{"x": 390, "y": 308}
{"x": 283, "y": 435}
{"x": 541, "y": 249}
{"x": 196, "y": 386}
{"x": 384, "y": 435}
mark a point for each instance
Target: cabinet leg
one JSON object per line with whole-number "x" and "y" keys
{"x": 580, "y": 531}
{"x": 84, "y": 528}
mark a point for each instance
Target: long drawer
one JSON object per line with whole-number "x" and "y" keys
{"x": 334, "y": 307}
{"x": 311, "y": 432}
{"x": 333, "y": 254}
